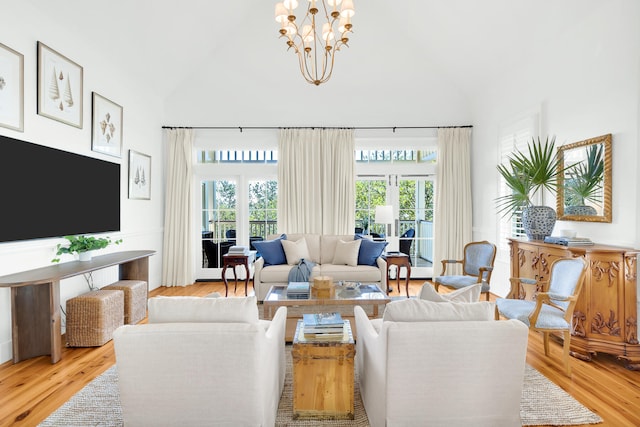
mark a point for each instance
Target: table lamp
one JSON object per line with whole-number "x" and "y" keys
{"x": 384, "y": 215}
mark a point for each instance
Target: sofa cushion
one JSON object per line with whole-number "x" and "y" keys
{"x": 328, "y": 245}
{"x": 370, "y": 251}
{"x": 467, "y": 294}
{"x": 313, "y": 243}
{"x": 360, "y": 273}
{"x": 417, "y": 310}
{"x": 271, "y": 251}
{"x": 280, "y": 273}
{"x": 203, "y": 310}
{"x": 347, "y": 252}
{"x": 295, "y": 251}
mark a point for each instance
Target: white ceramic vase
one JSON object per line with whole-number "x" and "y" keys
{"x": 84, "y": 256}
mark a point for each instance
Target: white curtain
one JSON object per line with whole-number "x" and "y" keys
{"x": 453, "y": 213}
{"x": 177, "y": 263}
{"x": 316, "y": 180}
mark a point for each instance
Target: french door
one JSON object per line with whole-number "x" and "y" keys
{"x": 412, "y": 198}
{"x": 218, "y": 224}
{"x": 233, "y": 210}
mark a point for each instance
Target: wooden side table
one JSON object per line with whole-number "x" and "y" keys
{"x": 233, "y": 260}
{"x": 399, "y": 260}
{"x": 323, "y": 376}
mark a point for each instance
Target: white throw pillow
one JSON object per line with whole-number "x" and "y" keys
{"x": 295, "y": 251}
{"x": 203, "y": 310}
{"x": 466, "y": 294}
{"x": 417, "y": 310}
{"x": 347, "y": 252}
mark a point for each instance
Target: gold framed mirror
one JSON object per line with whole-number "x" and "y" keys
{"x": 584, "y": 180}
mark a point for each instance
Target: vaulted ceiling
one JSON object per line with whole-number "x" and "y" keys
{"x": 407, "y": 47}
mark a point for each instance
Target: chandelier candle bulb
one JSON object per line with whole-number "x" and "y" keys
{"x": 327, "y": 32}
{"x": 335, "y": 4}
{"x": 290, "y": 4}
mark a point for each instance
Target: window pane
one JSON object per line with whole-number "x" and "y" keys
{"x": 369, "y": 194}
{"x": 263, "y": 209}
{"x": 218, "y": 220}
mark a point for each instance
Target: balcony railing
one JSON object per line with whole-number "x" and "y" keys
{"x": 217, "y": 230}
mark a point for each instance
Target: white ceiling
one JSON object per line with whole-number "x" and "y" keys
{"x": 463, "y": 44}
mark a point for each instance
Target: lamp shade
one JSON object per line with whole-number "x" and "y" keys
{"x": 384, "y": 214}
{"x": 281, "y": 13}
{"x": 347, "y": 9}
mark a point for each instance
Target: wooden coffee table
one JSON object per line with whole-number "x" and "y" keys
{"x": 369, "y": 296}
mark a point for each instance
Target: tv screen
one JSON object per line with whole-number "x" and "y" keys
{"x": 47, "y": 192}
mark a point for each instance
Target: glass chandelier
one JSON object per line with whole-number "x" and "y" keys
{"x": 314, "y": 39}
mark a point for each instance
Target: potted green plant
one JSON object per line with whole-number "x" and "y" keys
{"x": 83, "y": 245}
{"x": 526, "y": 174}
{"x": 583, "y": 182}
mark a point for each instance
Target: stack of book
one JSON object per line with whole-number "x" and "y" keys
{"x": 298, "y": 290}
{"x": 239, "y": 250}
{"x": 568, "y": 241}
{"x": 326, "y": 326}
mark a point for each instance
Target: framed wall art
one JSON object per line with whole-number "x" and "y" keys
{"x": 59, "y": 87}
{"x": 11, "y": 89}
{"x": 106, "y": 126}
{"x": 139, "y": 176}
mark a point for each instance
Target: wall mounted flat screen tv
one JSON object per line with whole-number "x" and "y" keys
{"x": 46, "y": 192}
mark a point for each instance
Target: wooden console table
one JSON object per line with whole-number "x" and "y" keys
{"x": 605, "y": 318}
{"x": 35, "y": 300}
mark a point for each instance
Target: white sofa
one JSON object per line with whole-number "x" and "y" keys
{"x": 440, "y": 373}
{"x": 321, "y": 250}
{"x": 199, "y": 369}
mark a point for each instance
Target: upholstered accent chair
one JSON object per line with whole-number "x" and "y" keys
{"x": 477, "y": 266}
{"x": 440, "y": 364}
{"x": 553, "y": 308}
{"x": 201, "y": 362}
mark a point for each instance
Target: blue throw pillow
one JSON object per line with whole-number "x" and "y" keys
{"x": 369, "y": 251}
{"x": 271, "y": 251}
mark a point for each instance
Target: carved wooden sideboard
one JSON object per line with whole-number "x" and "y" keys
{"x": 606, "y": 316}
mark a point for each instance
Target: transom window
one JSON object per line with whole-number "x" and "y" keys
{"x": 375, "y": 156}
{"x": 238, "y": 156}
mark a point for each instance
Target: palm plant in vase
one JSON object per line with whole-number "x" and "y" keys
{"x": 526, "y": 174}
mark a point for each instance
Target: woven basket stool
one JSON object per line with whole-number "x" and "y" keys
{"x": 135, "y": 299}
{"x": 92, "y": 317}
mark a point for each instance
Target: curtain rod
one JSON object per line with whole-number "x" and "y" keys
{"x": 314, "y": 127}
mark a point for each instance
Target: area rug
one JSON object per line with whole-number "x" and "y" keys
{"x": 97, "y": 404}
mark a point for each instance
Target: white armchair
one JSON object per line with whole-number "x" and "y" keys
{"x": 441, "y": 373}
{"x": 196, "y": 372}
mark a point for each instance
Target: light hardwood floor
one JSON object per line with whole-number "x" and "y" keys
{"x": 32, "y": 389}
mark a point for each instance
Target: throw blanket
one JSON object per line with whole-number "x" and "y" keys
{"x": 301, "y": 272}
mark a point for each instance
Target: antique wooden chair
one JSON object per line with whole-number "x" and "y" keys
{"x": 477, "y": 266}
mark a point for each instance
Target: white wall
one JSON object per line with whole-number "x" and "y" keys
{"x": 141, "y": 220}
{"x": 585, "y": 84}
